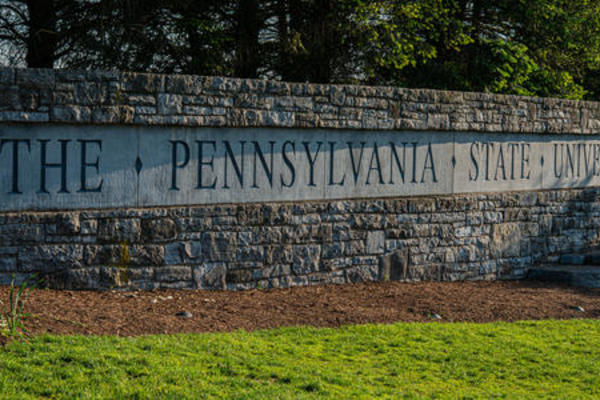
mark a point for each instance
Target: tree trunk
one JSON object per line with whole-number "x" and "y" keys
{"x": 43, "y": 38}
{"x": 247, "y": 56}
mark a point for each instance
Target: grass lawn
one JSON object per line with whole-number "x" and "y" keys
{"x": 547, "y": 359}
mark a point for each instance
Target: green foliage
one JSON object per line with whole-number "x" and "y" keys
{"x": 399, "y": 34}
{"x": 11, "y": 312}
{"x": 524, "y": 360}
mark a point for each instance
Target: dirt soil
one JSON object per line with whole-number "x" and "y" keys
{"x": 153, "y": 312}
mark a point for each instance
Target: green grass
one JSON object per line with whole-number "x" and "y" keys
{"x": 548, "y": 359}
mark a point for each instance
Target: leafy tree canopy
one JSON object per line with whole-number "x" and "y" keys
{"x": 526, "y": 47}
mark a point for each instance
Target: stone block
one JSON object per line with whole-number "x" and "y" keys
{"x": 13, "y": 278}
{"x": 36, "y": 78}
{"x": 375, "y": 242}
{"x": 363, "y": 273}
{"x": 70, "y": 113}
{"x": 394, "y": 266}
{"x": 50, "y": 258}
{"x": 183, "y": 252}
{"x": 117, "y": 230}
{"x": 506, "y": 240}
{"x": 7, "y": 76}
{"x": 8, "y": 263}
{"x": 305, "y": 259}
{"x": 219, "y": 246}
{"x": 113, "y": 114}
{"x": 68, "y": 224}
{"x": 211, "y": 276}
{"x": 169, "y": 104}
{"x": 89, "y": 227}
{"x": 142, "y": 83}
{"x": 238, "y": 276}
{"x": 158, "y": 229}
{"x": 90, "y": 93}
{"x": 147, "y": 255}
{"x": 173, "y": 273}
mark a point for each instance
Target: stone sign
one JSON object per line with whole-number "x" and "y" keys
{"x": 77, "y": 167}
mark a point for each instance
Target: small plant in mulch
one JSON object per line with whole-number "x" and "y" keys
{"x": 11, "y": 312}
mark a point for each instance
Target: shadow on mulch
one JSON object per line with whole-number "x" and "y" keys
{"x": 154, "y": 312}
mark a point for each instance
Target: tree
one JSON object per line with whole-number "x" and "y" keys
{"x": 528, "y": 47}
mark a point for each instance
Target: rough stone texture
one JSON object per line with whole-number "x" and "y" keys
{"x": 454, "y": 237}
{"x": 483, "y": 236}
{"x": 101, "y": 97}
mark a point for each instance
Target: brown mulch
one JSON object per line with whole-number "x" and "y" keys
{"x": 153, "y": 312}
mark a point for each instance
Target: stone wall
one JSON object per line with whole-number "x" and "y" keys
{"x": 83, "y": 97}
{"x": 283, "y": 244}
{"x": 486, "y": 236}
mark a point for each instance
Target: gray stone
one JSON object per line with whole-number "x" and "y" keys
{"x": 170, "y": 104}
{"x": 473, "y": 198}
{"x": 218, "y": 246}
{"x": 90, "y": 93}
{"x": 70, "y": 114}
{"x": 8, "y": 263}
{"x": 119, "y": 230}
{"x": 239, "y": 276}
{"x": 173, "y": 274}
{"x": 183, "y": 252}
{"x": 36, "y": 78}
{"x": 158, "y": 229}
{"x": 49, "y": 258}
{"x": 113, "y": 114}
{"x": 375, "y": 242}
{"x": 88, "y": 227}
{"x": 573, "y": 259}
{"x": 12, "y": 278}
{"x": 394, "y": 266}
{"x": 147, "y": 255}
{"x": 363, "y": 273}
{"x": 68, "y": 224}
{"x": 305, "y": 259}
{"x": 7, "y": 76}
{"x": 142, "y": 83}
{"x": 211, "y": 276}
{"x": 184, "y": 314}
{"x": 506, "y": 240}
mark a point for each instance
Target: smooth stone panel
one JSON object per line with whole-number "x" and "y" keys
{"x": 498, "y": 162}
{"x": 85, "y": 167}
{"x": 572, "y": 161}
{"x": 77, "y": 167}
{"x": 231, "y": 166}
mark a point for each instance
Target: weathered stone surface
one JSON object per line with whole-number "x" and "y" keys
{"x": 254, "y": 103}
{"x": 50, "y": 258}
{"x": 36, "y": 78}
{"x": 142, "y": 83}
{"x": 211, "y": 276}
{"x": 119, "y": 230}
{"x": 8, "y": 263}
{"x": 183, "y": 252}
{"x": 375, "y": 242}
{"x": 364, "y": 273}
{"x": 68, "y": 224}
{"x": 158, "y": 229}
{"x": 394, "y": 266}
{"x": 218, "y": 246}
{"x": 506, "y": 239}
{"x": 173, "y": 274}
{"x": 305, "y": 259}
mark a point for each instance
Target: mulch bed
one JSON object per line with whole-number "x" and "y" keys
{"x": 154, "y": 312}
